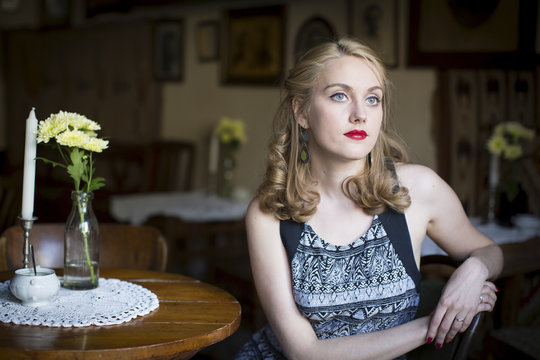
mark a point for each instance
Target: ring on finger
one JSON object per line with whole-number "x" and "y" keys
{"x": 481, "y": 299}
{"x": 459, "y": 320}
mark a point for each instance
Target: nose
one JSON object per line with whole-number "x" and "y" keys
{"x": 358, "y": 113}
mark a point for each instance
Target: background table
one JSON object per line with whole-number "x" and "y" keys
{"x": 499, "y": 234}
{"x": 191, "y": 316}
{"x": 201, "y": 229}
{"x": 191, "y": 206}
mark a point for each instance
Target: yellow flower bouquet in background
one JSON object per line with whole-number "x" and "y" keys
{"x": 508, "y": 139}
{"x": 231, "y": 132}
{"x": 507, "y": 145}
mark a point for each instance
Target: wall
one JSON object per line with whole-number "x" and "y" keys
{"x": 191, "y": 108}
{"x": 3, "y": 140}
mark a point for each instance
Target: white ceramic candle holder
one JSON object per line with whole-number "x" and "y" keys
{"x": 34, "y": 290}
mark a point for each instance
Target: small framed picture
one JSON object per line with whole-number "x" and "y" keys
{"x": 374, "y": 22}
{"x": 252, "y": 45}
{"x": 207, "y": 41}
{"x": 168, "y": 59}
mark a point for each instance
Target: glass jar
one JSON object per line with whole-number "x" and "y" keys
{"x": 81, "y": 244}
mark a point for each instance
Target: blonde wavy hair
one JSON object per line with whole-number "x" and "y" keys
{"x": 288, "y": 189}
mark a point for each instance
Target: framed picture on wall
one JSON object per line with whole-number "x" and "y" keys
{"x": 252, "y": 45}
{"x": 463, "y": 34}
{"x": 374, "y": 22}
{"x": 312, "y": 32}
{"x": 168, "y": 58}
{"x": 207, "y": 41}
{"x": 55, "y": 13}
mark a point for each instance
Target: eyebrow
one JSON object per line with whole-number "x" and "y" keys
{"x": 376, "y": 87}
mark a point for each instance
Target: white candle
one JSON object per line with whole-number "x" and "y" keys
{"x": 29, "y": 175}
{"x": 214, "y": 154}
{"x": 494, "y": 172}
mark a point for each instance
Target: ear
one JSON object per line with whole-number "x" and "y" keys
{"x": 299, "y": 114}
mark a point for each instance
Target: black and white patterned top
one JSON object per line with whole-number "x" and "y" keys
{"x": 368, "y": 285}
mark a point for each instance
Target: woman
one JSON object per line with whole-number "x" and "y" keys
{"x": 336, "y": 229}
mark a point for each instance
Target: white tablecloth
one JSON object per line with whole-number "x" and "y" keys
{"x": 497, "y": 233}
{"x": 196, "y": 206}
{"x": 112, "y": 302}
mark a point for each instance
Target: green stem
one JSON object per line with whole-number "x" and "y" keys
{"x": 85, "y": 238}
{"x": 90, "y": 170}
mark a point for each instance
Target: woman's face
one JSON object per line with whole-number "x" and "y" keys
{"x": 345, "y": 112}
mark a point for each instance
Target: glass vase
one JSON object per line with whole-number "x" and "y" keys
{"x": 493, "y": 182}
{"x": 226, "y": 172}
{"x": 81, "y": 244}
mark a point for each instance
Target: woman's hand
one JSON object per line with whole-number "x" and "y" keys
{"x": 465, "y": 295}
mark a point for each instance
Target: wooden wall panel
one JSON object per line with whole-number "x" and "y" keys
{"x": 471, "y": 103}
{"x": 102, "y": 72}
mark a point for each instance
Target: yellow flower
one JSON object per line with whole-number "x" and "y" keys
{"x": 50, "y": 128}
{"x": 231, "y": 131}
{"x": 496, "y": 144}
{"x": 513, "y": 152}
{"x": 508, "y": 139}
{"x": 74, "y": 134}
{"x": 80, "y": 122}
{"x": 517, "y": 131}
{"x": 73, "y": 138}
{"x": 96, "y": 145}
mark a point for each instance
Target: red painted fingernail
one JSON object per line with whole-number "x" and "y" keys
{"x": 496, "y": 288}
{"x": 447, "y": 340}
{"x": 429, "y": 340}
{"x": 438, "y": 346}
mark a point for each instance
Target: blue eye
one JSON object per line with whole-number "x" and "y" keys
{"x": 373, "y": 100}
{"x": 339, "y": 97}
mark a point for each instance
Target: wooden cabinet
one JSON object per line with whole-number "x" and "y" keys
{"x": 469, "y": 104}
{"x": 103, "y": 72}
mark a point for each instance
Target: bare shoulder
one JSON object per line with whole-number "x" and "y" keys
{"x": 260, "y": 224}
{"x": 414, "y": 176}
{"x": 256, "y": 214}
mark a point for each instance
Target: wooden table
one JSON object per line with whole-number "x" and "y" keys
{"x": 191, "y": 315}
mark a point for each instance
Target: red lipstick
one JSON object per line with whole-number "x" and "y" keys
{"x": 356, "y": 134}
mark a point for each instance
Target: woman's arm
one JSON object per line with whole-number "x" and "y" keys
{"x": 467, "y": 292}
{"x": 271, "y": 272}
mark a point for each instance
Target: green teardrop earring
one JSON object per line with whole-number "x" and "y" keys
{"x": 304, "y": 153}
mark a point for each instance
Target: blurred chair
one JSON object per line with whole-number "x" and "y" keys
{"x": 121, "y": 246}
{"x": 133, "y": 168}
{"x": 169, "y": 166}
{"x": 516, "y": 330}
{"x": 435, "y": 271}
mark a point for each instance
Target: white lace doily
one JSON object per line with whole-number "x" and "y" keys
{"x": 112, "y": 302}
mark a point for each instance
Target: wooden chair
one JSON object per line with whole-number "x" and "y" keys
{"x": 121, "y": 246}
{"x": 435, "y": 271}
{"x": 157, "y": 166}
{"x": 516, "y": 330}
{"x": 169, "y": 166}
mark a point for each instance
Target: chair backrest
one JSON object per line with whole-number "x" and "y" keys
{"x": 170, "y": 166}
{"x": 121, "y": 246}
{"x": 435, "y": 271}
{"x": 519, "y": 282}
{"x": 158, "y": 166}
